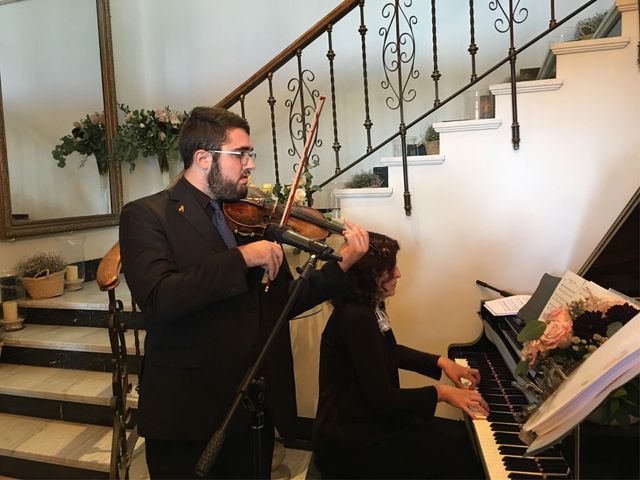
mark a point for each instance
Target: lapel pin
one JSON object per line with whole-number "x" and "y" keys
{"x": 181, "y": 208}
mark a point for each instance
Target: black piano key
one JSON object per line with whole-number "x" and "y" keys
{"x": 529, "y": 476}
{"x": 507, "y": 438}
{"x": 501, "y": 417}
{"x": 512, "y": 450}
{"x": 505, "y": 427}
{"x": 530, "y": 465}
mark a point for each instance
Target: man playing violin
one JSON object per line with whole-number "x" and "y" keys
{"x": 206, "y": 311}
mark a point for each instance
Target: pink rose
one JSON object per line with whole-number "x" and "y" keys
{"x": 558, "y": 331}
{"x": 531, "y": 350}
{"x": 161, "y": 115}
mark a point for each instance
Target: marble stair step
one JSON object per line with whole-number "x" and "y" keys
{"x": 54, "y": 442}
{"x": 59, "y": 337}
{"x": 81, "y": 386}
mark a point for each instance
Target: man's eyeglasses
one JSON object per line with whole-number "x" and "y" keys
{"x": 244, "y": 156}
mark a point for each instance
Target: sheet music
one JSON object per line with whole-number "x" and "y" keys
{"x": 573, "y": 287}
{"x": 507, "y": 305}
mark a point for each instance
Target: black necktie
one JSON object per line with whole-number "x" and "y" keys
{"x": 220, "y": 223}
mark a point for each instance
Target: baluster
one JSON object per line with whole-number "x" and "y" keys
{"x": 436, "y": 74}
{"x": 552, "y": 20}
{"x": 242, "y": 98}
{"x": 511, "y": 20}
{"x": 303, "y": 117}
{"x": 473, "y": 48}
{"x": 331, "y": 55}
{"x": 403, "y": 131}
{"x": 515, "y": 126}
{"x": 272, "y": 101}
{"x": 367, "y": 118}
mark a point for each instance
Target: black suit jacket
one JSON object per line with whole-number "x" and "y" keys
{"x": 361, "y": 400}
{"x": 207, "y": 317}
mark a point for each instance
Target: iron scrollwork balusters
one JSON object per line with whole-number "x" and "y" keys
{"x": 515, "y": 15}
{"x": 434, "y": 40}
{"x": 552, "y": 19}
{"x": 272, "y": 101}
{"x": 242, "y": 111}
{"x": 362, "y": 30}
{"x": 331, "y": 55}
{"x": 298, "y": 87}
{"x": 393, "y": 56}
{"x": 473, "y": 48}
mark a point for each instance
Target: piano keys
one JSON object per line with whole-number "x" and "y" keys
{"x": 497, "y": 442}
{"x": 605, "y": 451}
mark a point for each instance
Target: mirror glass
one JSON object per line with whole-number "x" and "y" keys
{"x": 52, "y": 75}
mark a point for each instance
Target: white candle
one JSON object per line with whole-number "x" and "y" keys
{"x": 10, "y": 311}
{"x": 72, "y": 273}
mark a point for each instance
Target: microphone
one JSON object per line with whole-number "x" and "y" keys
{"x": 284, "y": 234}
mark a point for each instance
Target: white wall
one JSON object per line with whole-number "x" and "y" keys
{"x": 507, "y": 217}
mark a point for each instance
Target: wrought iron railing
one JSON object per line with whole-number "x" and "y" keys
{"x": 399, "y": 52}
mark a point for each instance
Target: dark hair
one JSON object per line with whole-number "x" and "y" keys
{"x": 366, "y": 272}
{"x": 206, "y": 128}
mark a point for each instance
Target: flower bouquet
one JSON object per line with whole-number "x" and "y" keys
{"x": 87, "y": 138}
{"x": 566, "y": 335}
{"x": 149, "y": 133}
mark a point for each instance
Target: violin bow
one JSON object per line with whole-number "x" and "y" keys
{"x": 313, "y": 130}
{"x": 304, "y": 160}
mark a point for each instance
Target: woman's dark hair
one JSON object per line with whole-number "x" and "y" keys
{"x": 366, "y": 272}
{"x": 206, "y": 128}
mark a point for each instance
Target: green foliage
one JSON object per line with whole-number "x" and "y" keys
{"x": 364, "y": 179}
{"x": 585, "y": 28}
{"x": 281, "y": 192}
{"x": 149, "y": 133}
{"x": 431, "y": 134}
{"x": 86, "y": 138}
{"x": 40, "y": 262}
{"x": 532, "y": 331}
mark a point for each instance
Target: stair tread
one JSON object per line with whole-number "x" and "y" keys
{"x": 52, "y": 441}
{"x": 60, "y": 337}
{"x": 82, "y": 386}
{"x": 90, "y": 297}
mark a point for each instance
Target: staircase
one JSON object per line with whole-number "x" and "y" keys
{"x": 56, "y": 390}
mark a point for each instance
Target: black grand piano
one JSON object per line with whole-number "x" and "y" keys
{"x": 605, "y": 452}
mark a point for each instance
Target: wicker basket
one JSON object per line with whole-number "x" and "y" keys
{"x": 433, "y": 147}
{"x": 44, "y": 284}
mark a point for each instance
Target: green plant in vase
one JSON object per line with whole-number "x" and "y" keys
{"x": 149, "y": 133}
{"x": 87, "y": 138}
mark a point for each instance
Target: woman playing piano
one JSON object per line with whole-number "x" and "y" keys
{"x": 367, "y": 426}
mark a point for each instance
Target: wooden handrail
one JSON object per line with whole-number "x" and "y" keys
{"x": 108, "y": 274}
{"x": 283, "y": 57}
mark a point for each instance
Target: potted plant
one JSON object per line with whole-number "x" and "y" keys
{"x": 87, "y": 138}
{"x": 432, "y": 141}
{"x": 42, "y": 274}
{"x": 364, "y": 179}
{"x": 149, "y": 133}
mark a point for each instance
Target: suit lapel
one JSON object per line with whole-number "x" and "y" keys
{"x": 188, "y": 208}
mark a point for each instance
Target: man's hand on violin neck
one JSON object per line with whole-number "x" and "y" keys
{"x": 265, "y": 254}
{"x": 356, "y": 244}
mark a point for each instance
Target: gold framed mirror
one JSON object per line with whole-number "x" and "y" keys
{"x": 57, "y": 70}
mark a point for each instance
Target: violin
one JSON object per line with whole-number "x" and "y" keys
{"x": 251, "y": 216}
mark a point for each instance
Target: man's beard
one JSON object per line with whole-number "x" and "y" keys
{"x": 223, "y": 189}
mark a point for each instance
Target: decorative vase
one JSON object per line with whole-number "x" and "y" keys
{"x": 71, "y": 250}
{"x": 163, "y": 161}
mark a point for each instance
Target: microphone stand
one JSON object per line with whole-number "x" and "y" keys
{"x": 251, "y": 390}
